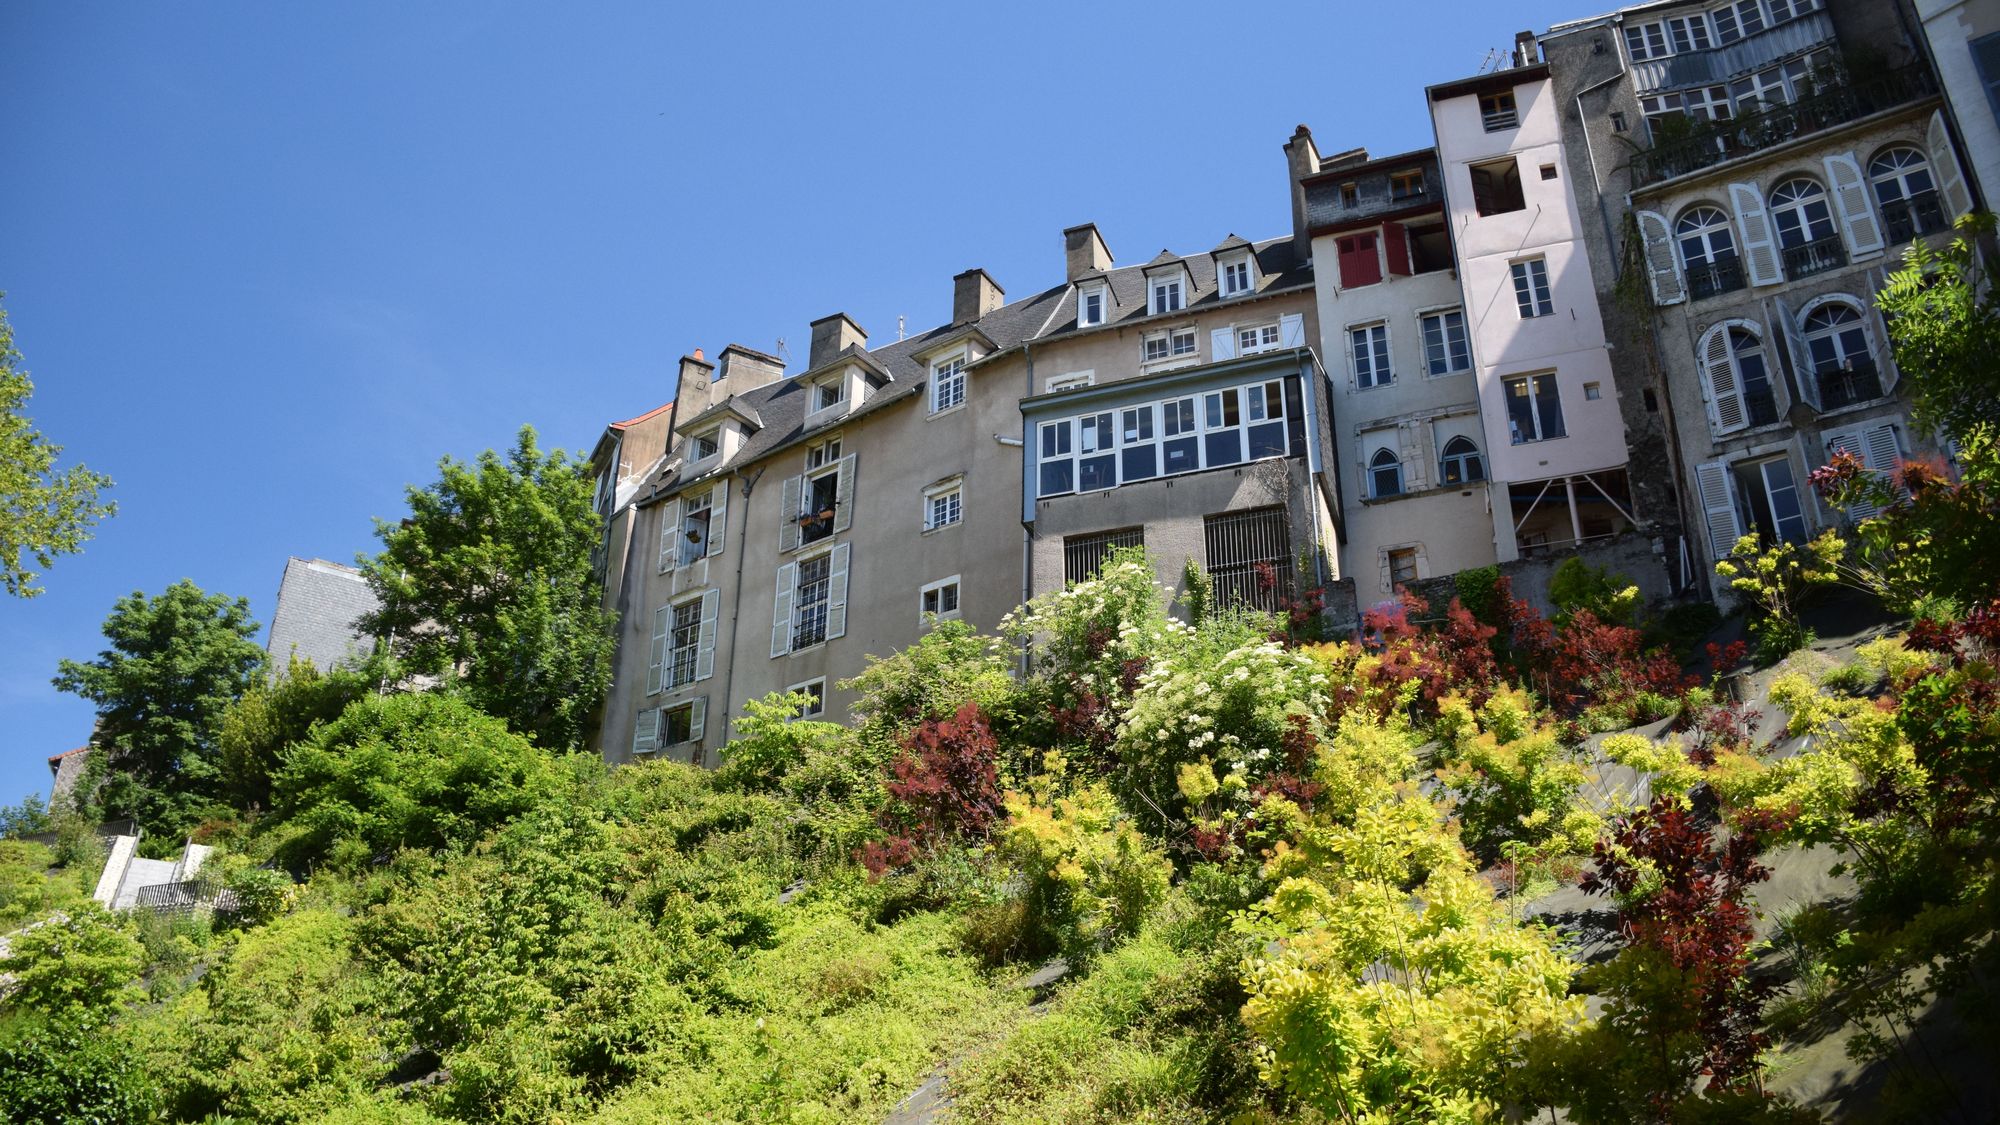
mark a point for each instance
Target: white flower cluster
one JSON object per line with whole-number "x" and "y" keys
{"x": 1234, "y": 711}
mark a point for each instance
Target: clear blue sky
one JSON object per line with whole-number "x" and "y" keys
{"x": 268, "y": 262}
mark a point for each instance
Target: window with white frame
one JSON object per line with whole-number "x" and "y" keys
{"x": 1460, "y": 463}
{"x": 1689, "y": 33}
{"x": 1762, "y": 90}
{"x": 1906, "y": 194}
{"x": 815, "y": 693}
{"x": 821, "y": 454}
{"x": 810, "y": 600}
{"x": 1385, "y": 474}
{"x": 943, "y": 505}
{"x": 1369, "y": 345}
{"x": 1176, "y": 343}
{"x": 705, "y": 444}
{"x": 1531, "y": 288}
{"x": 1104, "y": 449}
{"x": 1534, "y": 408}
{"x": 1645, "y": 41}
{"x": 1164, "y": 295}
{"x": 938, "y": 599}
{"x": 1071, "y": 381}
{"x": 1842, "y": 362}
{"x": 947, "y": 383}
{"x": 1236, "y": 277}
{"x": 819, "y": 496}
{"x": 1738, "y": 20}
{"x": 828, "y": 393}
{"x": 1800, "y": 212}
{"x": 1090, "y": 307}
{"x": 1739, "y": 384}
{"x": 1257, "y": 338}
{"x": 695, "y": 517}
{"x": 683, "y": 642}
{"x": 1446, "y": 349}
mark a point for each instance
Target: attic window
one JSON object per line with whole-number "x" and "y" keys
{"x": 705, "y": 444}
{"x": 1496, "y": 111}
{"x": 1350, "y": 195}
{"x": 1166, "y": 295}
{"x": 1236, "y": 277}
{"x": 1406, "y": 185}
{"x": 1090, "y": 307}
{"x": 829, "y": 394}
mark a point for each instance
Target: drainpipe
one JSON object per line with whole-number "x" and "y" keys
{"x": 1027, "y": 528}
{"x": 736, "y": 604}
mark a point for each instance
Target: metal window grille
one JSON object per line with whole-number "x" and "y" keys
{"x": 1084, "y": 554}
{"x": 1250, "y": 557}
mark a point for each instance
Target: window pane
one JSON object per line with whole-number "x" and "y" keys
{"x": 1058, "y": 477}
{"x": 1141, "y": 462}
{"x": 1548, "y": 406}
{"x": 1181, "y": 455}
{"x": 1137, "y": 424}
{"x": 1267, "y": 440}
{"x": 1520, "y": 411}
{"x": 1095, "y": 473}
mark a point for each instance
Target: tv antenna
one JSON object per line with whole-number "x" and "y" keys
{"x": 781, "y": 350}
{"x": 899, "y": 327}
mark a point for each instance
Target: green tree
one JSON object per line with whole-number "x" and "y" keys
{"x": 175, "y": 664}
{"x": 488, "y": 583}
{"x": 43, "y": 513}
{"x": 1944, "y": 322}
{"x": 83, "y": 963}
{"x": 272, "y": 715}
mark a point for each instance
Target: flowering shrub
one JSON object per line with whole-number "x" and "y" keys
{"x": 944, "y": 787}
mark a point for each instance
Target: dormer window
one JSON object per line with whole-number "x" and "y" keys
{"x": 947, "y": 383}
{"x": 1090, "y": 307}
{"x": 1166, "y": 296}
{"x": 829, "y": 394}
{"x": 1236, "y": 277}
{"x": 704, "y": 445}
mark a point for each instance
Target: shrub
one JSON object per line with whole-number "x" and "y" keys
{"x": 73, "y": 1070}
{"x": 1481, "y": 592}
{"x": 1776, "y": 580}
{"x": 79, "y": 965}
{"x": 1090, "y": 877}
{"x": 1514, "y": 782}
{"x": 1578, "y": 585}
{"x": 771, "y": 740}
{"x": 943, "y": 787}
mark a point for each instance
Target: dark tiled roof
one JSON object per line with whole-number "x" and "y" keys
{"x": 1277, "y": 270}
{"x": 1234, "y": 241}
{"x": 1163, "y": 258}
{"x": 318, "y": 604}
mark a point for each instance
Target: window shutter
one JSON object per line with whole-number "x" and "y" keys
{"x": 697, "y": 719}
{"x": 1397, "y": 248}
{"x": 656, "y": 659}
{"x": 1797, "y": 355}
{"x": 1850, "y": 198}
{"x": 836, "y": 594}
{"x": 1951, "y": 179}
{"x": 1725, "y": 395}
{"x": 646, "y": 734}
{"x": 1410, "y": 451}
{"x": 781, "y": 610}
{"x": 1885, "y": 454}
{"x": 704, "y": 659}
{"x": 788, "y": 514}
{"x": 1849, "y": 441}
{"x": 1884, "y": 350}
{"x": 670, "y": 534}
{"x": 1662, "y": 262}
{"x": 1760, "y": 250}
{"x": 718, "y": 517}
{"x": 1718, "y": 508}
{"x": 1222, "y": 344}
{"x": 1292, "y": 330}
{"x": 843, "y": 495}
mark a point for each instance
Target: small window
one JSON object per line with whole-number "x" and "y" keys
{"x": 1531, "y": 288}
{"x": 822, "y": 454}
{"x": 1402, "y": 566}
{"x": 1166, "y": 296}
{"x": 1445, "y": 347}
{"x": 943, "y": 507}
{"x": 1369, "y": 345}
{"x": 1256, "y": 338}
{"x": 1618, "y": 124}
{"x": 947, "y": 384}
{"x": 1689, "y": 33}
{"x": 1173, "y": 344}
{"x": 677, "y": 725}
{"x": 815, "y": 693}
{"x": 1645, "y": 41}
{"x": 1534, "y": 408}
{"x": 1496, "y": 187}
{"x": 939, "y": 599}
{"x": 1236, "y": 278}
{"x": 1071, "y": 381}
{"x": 1406, "y": 185}
{"x": 705, "y": 445}
{"x": 1350, "y": 196}
{"x": 1385, "y": 474}
{"x": 1593, "y": 391}
{"x": 1090, "y": 308}
{"x": 1496, "y": 111}
{"x": 1460, "y": 463}
{"x": 1548, "y": 171}
{"x": 829, "y": 394}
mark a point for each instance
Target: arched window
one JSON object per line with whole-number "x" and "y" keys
{"x": 1708, "y": 252}
{"x": 1906, "y": 193}
{"x": 1739, "y": 382}
{"x": 1805, "y": 228}
{"x": 1461, "y": 463}
{"x": 1841, "y": 358}
{"x": 1385, "y": 473}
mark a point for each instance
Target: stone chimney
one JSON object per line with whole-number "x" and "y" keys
{"x": 743, "y": 369}
{"x": 1524, "y": 48}
{"x": 1302, "y": 157}
{"x": 1084, "y": 252}
{"x": 696, "y": 391}
{"x": 974, "y": 293}
{"x": 831, "y": 334}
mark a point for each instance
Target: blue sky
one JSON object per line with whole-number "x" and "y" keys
{"x": 268, "y": 262}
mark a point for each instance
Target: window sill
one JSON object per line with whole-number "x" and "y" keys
{"x": 1448, "y": 374}
{"x": 1538, "y": 441}
{"x": 1862, "y": 407}
{"x": 1375, "y": 386}
{"x": 943, "y": 526}
{"x": 952, "y": 409}
{"x": 805, "y": 648}
{"x": 1175, "y": 363}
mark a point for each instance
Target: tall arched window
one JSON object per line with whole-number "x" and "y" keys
{"x": 1805, "y": 228}
{"x": 1708, "y": 252}
{"x": 1385, "y": 473}
{"x": 1739, "y": 383}
{"x": 1460, "y": 463}
{"x": 1841, "y": 358}
{"x": 1906, "y": 193}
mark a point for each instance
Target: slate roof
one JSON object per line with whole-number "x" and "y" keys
{"x": 781, "y": 406}
{"x": 318, "y": 603}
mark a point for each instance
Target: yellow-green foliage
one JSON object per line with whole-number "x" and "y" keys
{"x": 29, "y": 890}
{"x": 1672, "y": 773}
{"x": 1092, "y": 878}
{"x": 1889, "y": 657}
{"x": 1514, "y": 781}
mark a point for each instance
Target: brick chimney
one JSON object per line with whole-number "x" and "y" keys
{"x": 1302, "y": 156}
{"x": 831, "y": 334}
{"x": 974, "y": 293}
{"x": 1084, "y": 252}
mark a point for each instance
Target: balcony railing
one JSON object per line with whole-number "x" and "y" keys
{"x": 1751, "y": 131}
{"x": 1762, "y": 407}
{"x": 1817, "y": 256}
{"x": 1845, "y": 386}
{"x": 1918, "y": 215}
{"x": 1715, "y": 277}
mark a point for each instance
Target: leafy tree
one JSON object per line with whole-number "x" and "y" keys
{"x": 272, "y": 715}
{"x": 43, "y": 513}
{"x": 83, "y": 963}
{"x": 488, "y": 582}
{"x": 1944, "y": 323}
{"x": 175, "y": 664}
{"x": 71, "y": 1070}
{"x": 25, "y": 819}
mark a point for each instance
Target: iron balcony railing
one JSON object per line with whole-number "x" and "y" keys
{"x": 1920, "y": 214}
{"x": 1715, "y": 277}
{"x": 1818, "y": 256}
{"x": 1845, "y": 386}
{"x": 185, "y": 897}
{"x": 1751, "y": 131}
